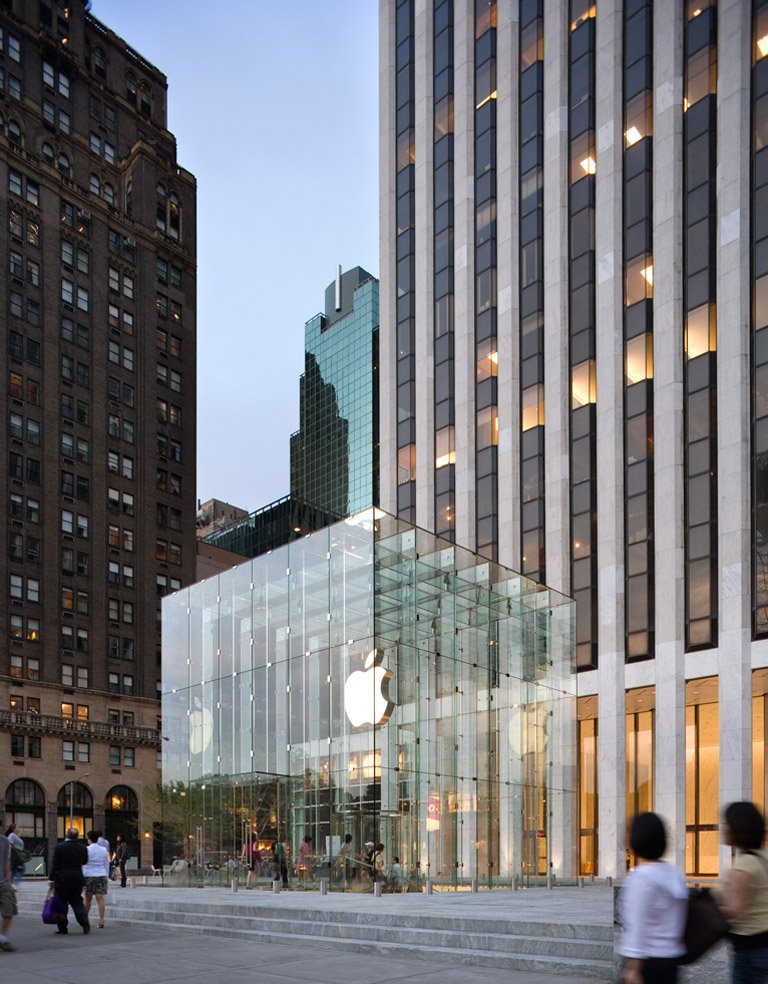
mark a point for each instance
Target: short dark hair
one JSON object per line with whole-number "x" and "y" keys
{"x": 647, "y": 836}
{"x": 92, "y": 836}
{"x": 746, "y": 826}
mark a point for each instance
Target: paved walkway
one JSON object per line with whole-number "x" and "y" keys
{"x": 130, "y": 955}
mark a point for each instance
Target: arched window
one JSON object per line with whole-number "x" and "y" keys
{"x": 25, "y": 805}
{"x": 130, "y": 88}
{"x": 95, "y": 185}
{"x": 48, "y": 154}
{"x": 109, "y": 193}
{"x": 14, "y": 133}
{"x": 121, "y": 798}
{"x": 80, "y": 810}
{"x": 63, "y": 164}
{"x": 99, "y": 63}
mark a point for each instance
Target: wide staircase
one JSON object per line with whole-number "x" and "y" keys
{"x": 501, "y": 937}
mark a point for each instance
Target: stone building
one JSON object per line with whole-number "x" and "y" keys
{"x": 98, "y": 389}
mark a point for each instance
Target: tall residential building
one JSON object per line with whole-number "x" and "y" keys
{"x": 334, "y": 454}
{"x": 574, "y": 311}
{"x": 98, "y": 241}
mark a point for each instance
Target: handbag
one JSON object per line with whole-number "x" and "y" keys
{"x": 54, "y": 910}
{"x": 705, "y": 925}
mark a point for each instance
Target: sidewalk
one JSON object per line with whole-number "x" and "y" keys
{"x": 137, "y": 949}
{"x": 128, "y": 955}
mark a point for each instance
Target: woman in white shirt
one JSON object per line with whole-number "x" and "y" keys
{"x": 654, "y": 904}
{"x": 96, "y": 874}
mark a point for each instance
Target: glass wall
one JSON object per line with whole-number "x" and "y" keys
{"x": 370, "y": 682}
{"x": 702, "y": 776}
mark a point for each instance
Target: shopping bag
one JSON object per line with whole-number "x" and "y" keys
{"x": 54, "y": 910}
{"x": 704, "y": 926}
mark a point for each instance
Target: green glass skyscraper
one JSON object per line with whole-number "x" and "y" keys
{"x": 334, "y": 454}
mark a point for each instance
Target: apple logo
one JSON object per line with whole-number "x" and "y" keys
{"x": 366, "y": 693}
{"x": 200, "y": 728}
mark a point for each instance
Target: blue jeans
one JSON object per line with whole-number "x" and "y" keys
{"x": 749, "y": 966}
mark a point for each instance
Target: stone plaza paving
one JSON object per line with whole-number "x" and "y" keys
{"x": 213, "y": 935}
{"x": 140, "y": 946}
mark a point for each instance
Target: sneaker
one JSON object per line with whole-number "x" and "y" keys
{"x": 6, "y": 945}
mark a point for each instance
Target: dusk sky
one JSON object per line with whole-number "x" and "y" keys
{"x": 275, "y": 110}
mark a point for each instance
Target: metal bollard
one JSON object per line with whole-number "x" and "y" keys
{"x": 515, "y": 883}
{"x": 144, "y": 880}
{"x": 377, "y": 890}
{"x": 429, "y": 886}
{"x": 474, "y": 885}
{"x": 234, "y": 884}
{"x": 324, "y": 887}
{"x": 592, "y": 878}
{"x": 132, "y": 882}
{"x": 276, "y": 886}
{"x": 581, "y": 881}
{"x": 609, "y": 881}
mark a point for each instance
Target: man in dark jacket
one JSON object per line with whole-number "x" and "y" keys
{"x": 66, "y": 878}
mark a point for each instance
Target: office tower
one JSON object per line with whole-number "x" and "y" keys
{"x": 98, "y": 390}
{"x": 334, "y": 454}
{"x": 574, "y": 304}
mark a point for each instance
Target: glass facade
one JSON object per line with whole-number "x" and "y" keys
{"x": 271, "y": 526}
{"x": 700, "y": 321}
{"x": 759, "y": 257}
{"x": 532, "y": 447}
{"x": 334, "y": 454}
{"x": 583, "y": 168}
{"x": 373, "y": 682}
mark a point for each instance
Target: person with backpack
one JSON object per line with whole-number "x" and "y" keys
{"x": 743, "y": 893}
{"x": 19, "y": 856}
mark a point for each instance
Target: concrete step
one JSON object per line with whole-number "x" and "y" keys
{"x": 263, "y": 910}
{"x": 600, "y": 969}
{"x": 545, "y": 947}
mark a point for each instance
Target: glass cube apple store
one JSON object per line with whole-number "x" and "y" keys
{"x": 405, "y": 704}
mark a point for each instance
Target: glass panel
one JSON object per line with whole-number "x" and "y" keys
{"x": 334, "y": 695}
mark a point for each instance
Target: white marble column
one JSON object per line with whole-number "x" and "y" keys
{"x": 669, "y": 598}
{"x": 464, "y": 270}
{"x": 733, "y": 401}
{"x": 424, "y": 265}
{"x": 609, "y": 296}
{"x": 507, "y": 264}
{"x": 387, "y": 262}
{"x": 556, "y": 370}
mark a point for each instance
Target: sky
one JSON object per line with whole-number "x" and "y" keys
{"x": 275, "y": 111}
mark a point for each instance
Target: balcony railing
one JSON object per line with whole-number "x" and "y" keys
{"x": 23, "y": 722}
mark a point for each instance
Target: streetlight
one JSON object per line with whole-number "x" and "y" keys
{"x": 72, "y": 798}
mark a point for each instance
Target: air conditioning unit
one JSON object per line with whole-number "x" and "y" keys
{"x": 83, "y": 213}
{"x": 129, "y": 242}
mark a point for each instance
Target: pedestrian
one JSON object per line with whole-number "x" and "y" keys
{"x": 103, "y": 842}
{"x": 17, "y": 844}
{"x": 67, "y": 880}
{"x": 396, "y": 875}
{"x": 346, "y": 859}
{"x": 743, "y": 893}
{"x": 280, "y": 856}
{"x": 654, "y": 904}
{"x": 96, "y": 873}
{"x": 121, "y": 856}
{"x": 378, "y": 863}
{"x": 8, "y": 907}
{"x": 304, "y": 863}
{"x": 370, "y": 850}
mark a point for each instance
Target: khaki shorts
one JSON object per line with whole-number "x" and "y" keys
{"x": 8, "y": 905}
{"x": 97, "y": 885}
